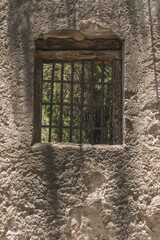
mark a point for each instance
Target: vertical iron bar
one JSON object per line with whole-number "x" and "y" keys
{"x": 110, "y": 141}
{"x": 38, "y": 99}
{"x": 51, "y": 101}
{"x": 71, "y": 108}
{"x": 112, "y": 109}
{"x": 107, "y": 117}
{"x": 92, "y": 80}
{"x": 82, "y": 101}
{"x": 61, "y": 102}
{"x": 102, "y": 102}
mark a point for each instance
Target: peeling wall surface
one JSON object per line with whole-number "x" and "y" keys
{"x": 66, "y": 191}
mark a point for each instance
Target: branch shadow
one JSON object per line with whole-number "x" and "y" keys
{"x": 154, "y": 57}
{"x": 21, "y": 53}
{"x": 17, "y": 35}
{"x": 126, "y": 193}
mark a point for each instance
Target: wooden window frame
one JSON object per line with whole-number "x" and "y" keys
{"x": 106, "y": 50}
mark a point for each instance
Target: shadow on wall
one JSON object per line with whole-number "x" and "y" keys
{"x": 21, "y": 60}
{"x": 21, "y": 49}
{"x": 60, "y": 184}
{"x": 154, "y": 57}
{"x": 109, "y": 207}
{"x": 71, "y": 14}
{"x": 126, "y": 194}
{"x": 51, "y": 208}
{"x": 38, "y": 200}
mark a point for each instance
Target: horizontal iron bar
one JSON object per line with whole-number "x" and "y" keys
{"x": 78, "y": 82}
{"x": 83, "y": 128}
{"x": 77, "y": 105}
{"x": 86, "y": 61}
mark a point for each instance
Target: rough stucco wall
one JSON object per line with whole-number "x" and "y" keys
{"x": 70, "y": 192}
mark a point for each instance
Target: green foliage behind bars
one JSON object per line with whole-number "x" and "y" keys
{"x": 89, "y": 94}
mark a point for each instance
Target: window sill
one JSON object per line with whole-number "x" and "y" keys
{"x": 80, "y": 146}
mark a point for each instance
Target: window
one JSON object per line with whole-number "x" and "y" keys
{"x": 78, "y": 91}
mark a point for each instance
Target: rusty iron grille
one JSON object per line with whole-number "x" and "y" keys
{"x": 77, "y": 102}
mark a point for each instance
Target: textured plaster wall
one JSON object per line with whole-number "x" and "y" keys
{"x": 56, "y": 191}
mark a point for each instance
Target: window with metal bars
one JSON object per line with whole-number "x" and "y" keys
{"x": 78, "y": 97}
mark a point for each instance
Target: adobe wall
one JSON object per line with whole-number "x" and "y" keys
{"x": 65, "y": 191}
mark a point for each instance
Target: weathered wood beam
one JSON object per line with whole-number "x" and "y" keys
{"x": 81, "y": 35}
{"x": 80, "y": 55}
{"x": 71, "y": 44}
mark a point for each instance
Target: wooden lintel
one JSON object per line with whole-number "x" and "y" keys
{"x": 71, "y": 44}
{"x": 81, "y": 35}
{"x": 80, "y": 55}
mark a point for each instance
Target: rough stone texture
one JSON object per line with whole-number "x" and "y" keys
{"x": 60, "y": 191}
